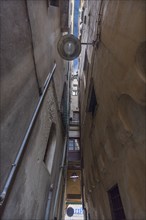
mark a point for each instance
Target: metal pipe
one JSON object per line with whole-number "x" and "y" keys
{"x": 7, "y": 185}
{"x": 65, "y": 147}
{"x": 49, "y": 203}
{"x": 87, "y": 43}
{"x": 60, "y": 176}
{"x": 62, "y": 202}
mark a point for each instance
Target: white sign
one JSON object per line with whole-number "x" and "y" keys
{"x": 78, "y": 212}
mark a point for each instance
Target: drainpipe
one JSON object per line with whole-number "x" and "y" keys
{"x": 82, "y": 166}
{"x": 83, "y": 202}
{"x": 62, "y": 202}
{"x": 82, "y": 182}
{"x": 64, "y": 151}
{"x": 59, "y": 180}
{"x": 14, "y": 167}
{"x": 49, "y": 203}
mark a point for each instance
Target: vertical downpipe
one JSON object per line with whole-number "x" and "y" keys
{"x": 55, "y": 214}
{"x": 49, "y": 203}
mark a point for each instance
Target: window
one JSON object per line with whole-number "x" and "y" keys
{"x": 116, "y": 204}
{"x": 74, "y": 92}
{"x": 75, "y": 116}
{"x": 50, "y": 149}
{"x": 75, "y": 88}
{"x": 54, "y": 3}
{"x": 85, "y": 18}
{"x": 73, "y": 144}
{"x": 75, "y": 85}
{"x": 71, "y": 9}
{"x": 86, "y": 62}
{"x": 85, "y": 69}
{"x": 63, "y": 106}
{"x": 82, "y": 14}
{"x": 92, "y": 102}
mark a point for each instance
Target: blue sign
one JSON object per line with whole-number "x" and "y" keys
{"x": 70, "y": 211}
{"x": 78, "y": 211}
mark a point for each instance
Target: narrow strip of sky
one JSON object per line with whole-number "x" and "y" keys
{"x": 76, "y": 28}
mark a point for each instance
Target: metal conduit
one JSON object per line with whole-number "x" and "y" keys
{"x": 59, "y": 180}
{"x": 8, "y": 183}
{"x": 47, "y": 213}
{"x": 65, "y": 147}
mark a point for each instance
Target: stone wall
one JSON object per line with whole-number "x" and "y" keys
{"x": 113, "y": 138}
{"x": 29, "y": 34}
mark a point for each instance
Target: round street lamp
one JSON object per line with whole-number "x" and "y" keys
{"x": 69, "y": 47}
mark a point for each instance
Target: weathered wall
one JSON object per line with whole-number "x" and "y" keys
{"x": 29, "y": 34}
{"x": 73, "y": 187}
{"x": 113, "y": 140}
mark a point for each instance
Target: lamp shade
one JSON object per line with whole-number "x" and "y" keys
{"x": 74, "y": 176}
{"x": 69, "y": 47}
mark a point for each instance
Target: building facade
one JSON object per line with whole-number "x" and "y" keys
{"x": 113, "y": 113}
{"x": 32, "y": 129}
{"x": 73, "y": 138}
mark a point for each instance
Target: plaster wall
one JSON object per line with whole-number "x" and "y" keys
{"x": 29, "y": 34}
{"x": 113, "y": 140}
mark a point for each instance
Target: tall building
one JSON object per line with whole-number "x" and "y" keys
{"x": 73, "y": 142}
{"x": 113, "y": 109}
{"x": 33, "y": 109}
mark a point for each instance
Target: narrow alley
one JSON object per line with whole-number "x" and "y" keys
{"x": 73, "y": 110}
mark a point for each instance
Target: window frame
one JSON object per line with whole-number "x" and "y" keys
{"x": 85, "y": 69}
{"x": 49, "y": 154}
{"x": 74, "y": 147}
{"x": 92, "y": 103}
